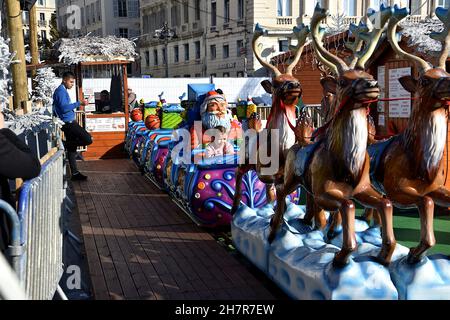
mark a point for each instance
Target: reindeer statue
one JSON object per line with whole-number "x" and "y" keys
{"x": 408, "y": 168}
{"x": 335, "y": 169}
{"x": 286, "y": 91}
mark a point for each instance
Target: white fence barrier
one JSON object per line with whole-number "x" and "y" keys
{"x": 149, "y": 89}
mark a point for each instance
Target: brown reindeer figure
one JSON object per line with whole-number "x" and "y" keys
{"x": 409, "y": 168}
{"x": 286, "y": 92}
{"x": 335, "y": 170}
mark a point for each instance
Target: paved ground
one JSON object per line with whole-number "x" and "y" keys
{"x": 140, "y": 245}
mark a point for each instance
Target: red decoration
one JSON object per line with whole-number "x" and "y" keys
{"x": 136, "y": 115}
{"x": 152, "y": 122}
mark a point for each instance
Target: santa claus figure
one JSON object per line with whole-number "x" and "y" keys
{"x": 215, "y": 112}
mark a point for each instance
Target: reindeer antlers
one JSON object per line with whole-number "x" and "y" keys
{"x": 444, "y": 35}
{"x": 324, "y": 61}
{"x": 327, "y": 58}
{"x": 371, "y": 38}
{"x": 259, "y": 31}
{"x": 301, "y": 33}
{"x": 356, "y": 46}
{"x": 362, "y": 35}
{"x": 396, "y": 16}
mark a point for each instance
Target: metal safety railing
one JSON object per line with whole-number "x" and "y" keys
{"x": 41, "y": 212}
{"x": 36, "y": 250}
{"x": 10, "y": 288}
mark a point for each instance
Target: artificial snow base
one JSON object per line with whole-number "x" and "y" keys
{"x": 300, "y": 261}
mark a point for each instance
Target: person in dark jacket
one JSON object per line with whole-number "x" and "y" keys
{"x": 16, "y": 161}
{"x": 75, "y": 135}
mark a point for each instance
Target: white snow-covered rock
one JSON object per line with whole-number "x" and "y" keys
{"x": 300, "y": 261}
{"x": 427, "y": 280}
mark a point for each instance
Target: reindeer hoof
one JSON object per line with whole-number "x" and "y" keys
{"x": 272, "y": 236}
{"x": 382, "y": 260}
{"x": 340, "y": 263}
{"x": 341, "y": 258}
{"x": 417, "y": 254}
{"x": 385, "y": 255}
{"x": 413, "y": 257}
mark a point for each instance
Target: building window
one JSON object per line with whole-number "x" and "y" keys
{"x": 239, "y": 48}
{"x": 284, "y": 8}
{"x": 176, "y": 54}
{"x": 197, "y": 9}
{"x": 350, "y": 8}
{"x": 99, "y": 10}
{"x": 283, "y": 45}
{"x": 187, "y": 76}
{"x": 443, "y": 3}
{"x": 213, "y": 14}
{"x": 186, "y": 12}
{"x": 133, "y": 8}
{"x": 226, "y": 51}
{"x": 375, "y": 4}
{"x": 155, "y": 57}
{"x": 147, "y": 58}
{"x": 42, "y": 16}
{"x": 164, "y": 56}
{"x": 186, "y": 52}
{"x": 226, "y": 10}
{"x": 41, "y": 3}
{"x": 175, "y": 15}
{"x": 240, "y": 74}
{"x": 226, "y": 74}
{"x": 123, "y": 12}
{"x": 123, "y": 32}
{"x": 212, "y": 52}
{"x": 88, "y": 15}
{"x": 240, "y": 13}
{"x": 197, "y": 50}
{"x": 198, "y": 75}
{"x": 43, "y": 35}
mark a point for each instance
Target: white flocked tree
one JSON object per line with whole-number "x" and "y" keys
{"x": 46, "y": 83}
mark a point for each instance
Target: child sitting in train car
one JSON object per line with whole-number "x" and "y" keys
{"x": 215, "y": 112}
{"x": 219, "y": 145}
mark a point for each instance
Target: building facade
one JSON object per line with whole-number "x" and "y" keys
{"x": 45, "y": 9}
{"x": 213, "y": 37}
{"x": 100, "y": 18}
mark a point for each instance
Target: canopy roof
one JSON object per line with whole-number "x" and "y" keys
{"x": 90, "y": 49}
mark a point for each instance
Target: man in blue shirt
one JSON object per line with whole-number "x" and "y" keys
{"x": 75, "y": 135}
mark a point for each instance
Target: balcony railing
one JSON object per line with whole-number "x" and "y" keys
{"x": 284, "y": 20}
{"x": 42, "y": 23}
{"x": 414, "y": 18}
{"x": 351, "y": 19}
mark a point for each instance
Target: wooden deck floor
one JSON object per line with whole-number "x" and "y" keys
{"x": 140, "y": 245}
